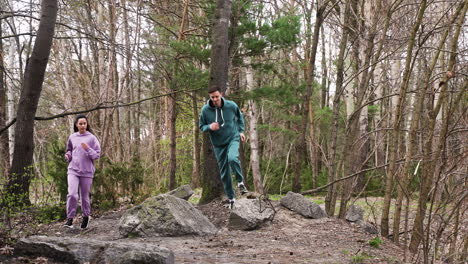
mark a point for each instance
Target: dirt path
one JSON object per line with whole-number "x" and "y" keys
{"x": 290, "y": 238}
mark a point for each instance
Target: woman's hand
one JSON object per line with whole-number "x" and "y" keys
{"x": 84, "y": 146}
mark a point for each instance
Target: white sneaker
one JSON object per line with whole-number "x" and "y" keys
{"x": 229, "y": 203}
{"x": 242, "y": 188}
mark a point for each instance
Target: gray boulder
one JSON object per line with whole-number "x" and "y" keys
{"x": 79, "y": 250}
{"x": 249, "y": 214}
{"x": 183, "y": 192}
{"x": 301, "y": 205}
{"x": 164, "y": 215}
{"x": 354, "y": 213}
{"x": 368, "y": 227}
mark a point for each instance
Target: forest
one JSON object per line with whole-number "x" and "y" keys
{"x": 342, "y": 99}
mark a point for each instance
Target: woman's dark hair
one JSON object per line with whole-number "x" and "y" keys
{"x": 78, "y": 117}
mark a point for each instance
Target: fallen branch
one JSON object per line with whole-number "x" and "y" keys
{"x": 342, "y": 179}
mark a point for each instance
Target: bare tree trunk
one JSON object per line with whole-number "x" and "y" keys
{"x": 301, "y": 144}
{"x": 172, "y": 136}
{"x": 195, "y": 181}
{"x": 324, "y": 88}
{"x": 464, "y": 253}
{"x": 351, "y": 150}
{"x": 128, "y": 146}
{"x": 102, "y": 81}
{"x": 137, "y": 114}
{"x": 395, "y": 133}
{"x": 429, "y": 157}
{"x": 11, "y": 106}
{"x": 21, "y": 170}
{"x": 211, "y": 182}
{"x": 330, "y": 199}
{"x": 418, "y": 107}
{"x": 4, "y": 146}
{"x": 114, "y": 120}
{"x": 253, "y": 133}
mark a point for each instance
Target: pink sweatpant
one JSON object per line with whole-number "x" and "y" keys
{"x": 83, "y": 185}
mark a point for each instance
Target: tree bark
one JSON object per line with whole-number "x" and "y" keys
{"x": 354, "y": 99}
{"x": 301, "y": 144}
{"x": 211, "y": 182}
{"x": 395, "y": 133}
{"x": 253, "y": 133}
{"x": 21, "y": 169}
{"x": 4, "y": 145}
{"x": 195, "y": 181}
{"x": 330, "y": 199}
{"x": 412, "y": 141}
{"x": 428, "y": 164}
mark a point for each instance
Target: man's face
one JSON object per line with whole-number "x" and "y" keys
{"x": 215, "y": 97}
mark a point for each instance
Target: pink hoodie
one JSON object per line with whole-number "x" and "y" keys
{"x": 82, "y": 161}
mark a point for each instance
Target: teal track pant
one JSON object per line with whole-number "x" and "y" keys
{"x": 228, "y": 159}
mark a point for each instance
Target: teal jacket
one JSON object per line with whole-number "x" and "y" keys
{"x": 229, "y": 117}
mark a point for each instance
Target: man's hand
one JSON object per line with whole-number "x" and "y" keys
{"x": 214, "y": 126}
{"x": 242, "y": 137}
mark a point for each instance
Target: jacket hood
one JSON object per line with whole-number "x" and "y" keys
{"x": 84, "y": 134}
{"x": 211, "y": 105}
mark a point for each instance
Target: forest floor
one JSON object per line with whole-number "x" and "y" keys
{"x": 289, "y": 238}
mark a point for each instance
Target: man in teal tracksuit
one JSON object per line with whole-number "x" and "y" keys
{"x": 224, "y": 121}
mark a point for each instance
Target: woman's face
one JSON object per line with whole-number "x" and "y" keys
{"x": 82, "y": 124}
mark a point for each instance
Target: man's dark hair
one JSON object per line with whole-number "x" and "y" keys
{"x": 214, "y": 89}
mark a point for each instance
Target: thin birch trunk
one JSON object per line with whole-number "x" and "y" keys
{"x": 301, "y": 144}
{"x": 428, "y": 155}
{"x": 330, "y": 199}
{"x": 253, "y": 133}
{"x": 4, "y": 146}
{"x": 11, "y": 105}
{"x": 412, "y": 141}
{"x": 395, "y": 133}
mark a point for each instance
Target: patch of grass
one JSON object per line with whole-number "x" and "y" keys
{"x": 318, "y": 201}
{"x": 375, "y": 242}
{"x": 195, "y": 198}
{"x": 345, "y": 252}
{"x": 392, "y": 260}
{"x": 360, "y": 258}
{"x": 275, "y": 197}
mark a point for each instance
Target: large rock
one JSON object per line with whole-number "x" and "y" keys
{"x": 354, "y": 213}
{"x": 79, "y": 250}
{"x": 183, "y": 192}
{"x": 164, "y": 215}
{"x": 368, "y": 227}
{"x": 249, "y": 214}
{"x": 301, "y": 205}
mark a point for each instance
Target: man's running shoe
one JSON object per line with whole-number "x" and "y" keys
{"x": 229, "y": 203}
{"x": 242, "y": 188}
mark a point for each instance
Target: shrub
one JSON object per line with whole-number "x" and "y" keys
{"x": 356, "y": 259}
{"x": 375, "y": 242}
{"x": 52, "y": 213}
{"x": 117, "y": 180}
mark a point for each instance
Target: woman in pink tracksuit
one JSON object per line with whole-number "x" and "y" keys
{"x": 82, "y": 149}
